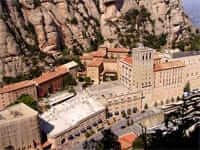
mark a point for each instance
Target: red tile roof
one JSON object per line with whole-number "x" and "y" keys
{"x": 86, "y": 57}
{"x": 59, "y": 71}
{"x": 99, "y": 53}
{"x": 126, "y": 141}
{"x": 168, "y": 65}
{"x": 128, "y": 60}
{"x": 16, "y": 86}
{"x": 95, "y": 63}
{"x": 119, "y": 50}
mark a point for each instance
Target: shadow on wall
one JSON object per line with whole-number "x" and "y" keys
{"x": 119, "y": 4}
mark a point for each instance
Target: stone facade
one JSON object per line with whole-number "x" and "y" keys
{"x": 109, "y": 57}
{"x": 78, "y": 133}
{"x": 94, "y": 69}
{"x": 117, "y": 105}
{"x": 159, "y": 77}
{"x": 168, "y": 85}
{"x": 10, "y": 93}
{"x": 19, "y": 128}
{"x": 43, "y": 85}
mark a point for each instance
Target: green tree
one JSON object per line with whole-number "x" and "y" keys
{"x": 138, "y": 143}
{"x": 87, "y": 79}
{"x": 69, "y": 80}
{"x": 28, "y": 100}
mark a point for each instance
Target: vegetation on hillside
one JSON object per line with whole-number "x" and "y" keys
{"x": 190, "y": 44}
{"x": 131, "y": 28}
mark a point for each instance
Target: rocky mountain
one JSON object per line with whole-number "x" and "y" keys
{"x": 34, "y": 34}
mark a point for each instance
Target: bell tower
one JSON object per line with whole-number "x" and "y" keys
{"x": 143, "y": 74}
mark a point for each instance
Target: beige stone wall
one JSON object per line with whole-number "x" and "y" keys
{"x": 168, "y": 84}
{"x": 125, "y": 74}
{"x": 123, "y": 103}
{"x": 192, "y": 73}
{"x": 116, "y": 54}
{"x": 143, "y": 75}
{"x": 58, "y": 141}
{"x": 110, "y": 66}
{"x": 10, "y": 97}
{"x": 153, "y": 120}
{"x": 21, "y": 134}
{"x": 93, "y": 73}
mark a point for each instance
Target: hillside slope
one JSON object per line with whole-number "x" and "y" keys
{"x": 33, "y": 33}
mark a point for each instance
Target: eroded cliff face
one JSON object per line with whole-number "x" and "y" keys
{"x": 166, "y": 17}
{"x": 34, "y": 32}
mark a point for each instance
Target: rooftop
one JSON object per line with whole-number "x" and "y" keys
{"x": 16, "y": 86}
{"x": 95, "y": 63}
{"x": 99, "y": 53}
{"x": 60, "y": 70}
{"x": 86, "y": 57}
{"x": 126, "y": 141}
{"x": 70, "y": 65}
{"x": 185, "y": 54}
{"x": 18, "y": 111}
{"x": 119, "y": 50}
{"x": 128, "y": 60}
{"x": 168, "y": 65}
{"x": 68, "y": 114}
{"x": 107, "y": 90}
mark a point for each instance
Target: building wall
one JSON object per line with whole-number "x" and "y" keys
{"x": 143, "y": 75}
{"x": 116, "y": 54}
{"x": 168, "y": 84}
{"x": 10, "y": 97}
{"x": 94, "y": 73}
{"x": 22, "y": 134}
{"x": 56, "y": 84}
{"x": 126, "y": 73}
{"x": 62, "y": 141}
{"x": 153, "y": 120}
{"x": 110, "y": 66}
{"x": 192, "y": 74}
{"x": 124, "y": 102}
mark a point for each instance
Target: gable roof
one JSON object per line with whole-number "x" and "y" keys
{"x": 95, "y": 63}
{"x": 168, "y": 65}
{"x": 126, "y": 141}
{"x": 16, "y": 86}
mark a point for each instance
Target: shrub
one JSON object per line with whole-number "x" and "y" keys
{"x": 69, "y": 80}
{"x": 28, "y": 100}
{"x": 74, "y": 21}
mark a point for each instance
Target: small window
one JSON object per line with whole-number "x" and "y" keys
{"x": 63, "y": 141}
